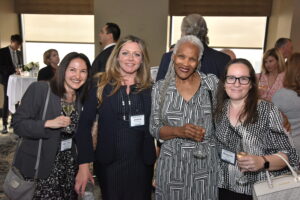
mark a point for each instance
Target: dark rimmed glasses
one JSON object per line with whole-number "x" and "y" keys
{"x": 243, "y": 80}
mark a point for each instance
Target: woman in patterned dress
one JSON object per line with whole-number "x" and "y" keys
{"x": 181, "y": 118}
{"x": 58, "y": 162}
{"x": 248, "y": 133}
{"x": 271, "y": 78}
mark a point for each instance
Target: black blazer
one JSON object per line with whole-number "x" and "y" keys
{"x": 7, "y": 67}
{"x": 46, "y": 73}
{"x": 212, "y": 62}
{"x": 28, "y": 124}
{"x": 106, "y": 143}
{"x": 100, "y": 61}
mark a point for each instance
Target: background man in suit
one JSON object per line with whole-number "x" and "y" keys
{"x": 212, "y": 61}
{"x": 10, "y": 59}
{"x": 108, "y": 36}
{"x": 285, "y": 46}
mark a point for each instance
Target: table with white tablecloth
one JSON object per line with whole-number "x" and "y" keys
{"x": 16, "y": 87}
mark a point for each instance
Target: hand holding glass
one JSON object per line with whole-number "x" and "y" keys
{"x": 68, "y": 109}
{"x": 241, "y": 179}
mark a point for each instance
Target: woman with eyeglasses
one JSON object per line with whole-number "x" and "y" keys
{"x": 248, "y": 133}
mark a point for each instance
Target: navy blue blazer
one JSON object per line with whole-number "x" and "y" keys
{"x": 101, "y": 60}
{"x": 106, "y": 143}
{"x": 6, "y": 64}
{"x": 212, "y": 62}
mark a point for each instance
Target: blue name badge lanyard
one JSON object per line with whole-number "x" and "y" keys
{"x": 134, "y": 120}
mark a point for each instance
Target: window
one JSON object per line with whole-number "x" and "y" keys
{"x": 244, "y": 35}
{"x": 65, "y": 33}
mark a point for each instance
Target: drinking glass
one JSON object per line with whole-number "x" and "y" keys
{"x": 200, "y": 151}
{"x": 241, "y": 178}
{"x": 68, "y": 109}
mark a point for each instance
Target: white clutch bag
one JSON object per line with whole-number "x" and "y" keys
{"x": 285, "y": 187}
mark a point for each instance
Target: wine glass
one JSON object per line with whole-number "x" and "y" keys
{"x": 68, "y": 109}
{"x": 18, "y": 69}
{"x": 241, "y": 178}
{"x": 200, "y": 151}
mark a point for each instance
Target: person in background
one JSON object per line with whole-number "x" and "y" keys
{"x": 125, "y": 151}
{"x": 181, "y": 118}
{"x": 230, "y": 53}
{"x": 285, "y": 46}
{"x": 10, "y": 61}
{"x": 287, "y": 99}
{"x": 58, "y": 164}
{"x": 51, "y": 59}
{"x": 212, "y": 61}
{"x": 108, "y": 36}
{"x": 272, "y": 74}
{"x": 247, "y": 134}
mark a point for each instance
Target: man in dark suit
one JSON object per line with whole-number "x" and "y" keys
{"x": 108, "y": 36}
{"x": 212, "y": 61}
{"x": 10, "y": 59}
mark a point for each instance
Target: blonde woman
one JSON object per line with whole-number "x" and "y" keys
{"x": 51, "y": 59}
{"x": 125, "y": 151}
{"x": 272, "y": 74}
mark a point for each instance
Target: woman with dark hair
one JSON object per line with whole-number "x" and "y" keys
{"x": 51, "y": 59}
{"x": 287, "y": 99}
{"x": 125, "y": 151}
{"x": 272, "y": 74}
{"x": 58, "y": 164}
{"x": 248, "y": 131}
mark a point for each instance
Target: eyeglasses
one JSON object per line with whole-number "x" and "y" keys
{"x": 243, "y": 80}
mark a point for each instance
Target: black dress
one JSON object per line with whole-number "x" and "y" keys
{"x": 124, "y": 155}
{"x": 46, "y": 73}
{"x": 60, "y": 183}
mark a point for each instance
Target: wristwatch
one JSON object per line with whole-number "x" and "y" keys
{"x": 267, "y": 163}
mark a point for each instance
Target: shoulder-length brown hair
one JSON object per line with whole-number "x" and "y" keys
{"x": 292, "y": 75}
{"x": 278, "y": 56}
{"x": 249, "y": 112}
{"x": 58, "y": 81}
{"x": 112, "y": 73}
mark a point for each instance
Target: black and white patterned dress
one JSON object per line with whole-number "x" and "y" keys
{"x": 264, "y": 137}
{"x": 179, "y": 174}
{"x": 60, "y": 183}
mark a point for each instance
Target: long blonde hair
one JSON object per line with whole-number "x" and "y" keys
{"x": 278, "y": 56}
{"x": 112, "y": 73}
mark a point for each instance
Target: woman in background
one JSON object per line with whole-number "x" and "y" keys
{"x": 247, "y": 129}
{"x": 272, "y": 74}
{"x": 287, "y": 99}
{"x": 125, "y": 151}
{"x": 58, "y": 162}
{"x": 51, "y": 59}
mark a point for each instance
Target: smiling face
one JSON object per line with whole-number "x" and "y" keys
{"x": 237, "y": 91}
{"x": 130, "y": 58}
{"x": 271, "y": 64}
{"x": 75, "y": 75}
{"x": 54, "y": 58}
{"x": 186, "y": 60}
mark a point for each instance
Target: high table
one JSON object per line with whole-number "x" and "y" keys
{"x": 16, "y": 87}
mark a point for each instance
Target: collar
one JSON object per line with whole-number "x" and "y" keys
{"x": 109, "y": 45}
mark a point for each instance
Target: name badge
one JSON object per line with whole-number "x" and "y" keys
{"x": 228, "y": 156}
{"x": 65, "y": 144}
{"x": 137, "y": 120}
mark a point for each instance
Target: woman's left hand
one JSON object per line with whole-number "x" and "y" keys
{"x": 250, "y": 163}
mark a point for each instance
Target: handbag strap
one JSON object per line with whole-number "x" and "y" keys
{"x": 41, "y": 140}
{"x": 295, "y": 175}
{"x": 212, "y": 109}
